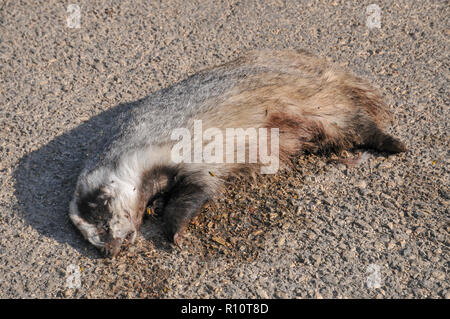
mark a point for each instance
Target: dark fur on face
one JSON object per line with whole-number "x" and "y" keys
{"x": 93, "y": 207}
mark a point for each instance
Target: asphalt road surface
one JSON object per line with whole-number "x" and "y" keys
{"x": 322, "y": 230}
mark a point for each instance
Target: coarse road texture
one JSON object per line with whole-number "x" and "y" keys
{"x": 321, "y": 230}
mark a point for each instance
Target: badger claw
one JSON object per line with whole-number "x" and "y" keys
{"x": 177, "y": 238}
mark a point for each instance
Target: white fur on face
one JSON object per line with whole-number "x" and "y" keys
{"x": 120, "y": 226}
{"x": 121, "y": 186}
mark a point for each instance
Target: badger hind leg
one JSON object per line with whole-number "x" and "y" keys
{"x": 380, "y": 141}
{"x": 371, "y": 113}
{"x": 365, "y": 132}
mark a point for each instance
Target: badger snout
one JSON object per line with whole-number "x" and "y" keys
{"x": 113, "y": 247}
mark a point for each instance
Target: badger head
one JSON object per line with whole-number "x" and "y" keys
{"x": 105, "y": 214}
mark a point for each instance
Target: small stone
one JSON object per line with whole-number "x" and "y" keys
{"x": 110, "y": 95}
{"x": 262, "y": 293}
{"x": 257, "y": 232}
{"x": 220, "y": 241}
{"x": 385, "y": 165}
{"x": 99, "y": 67}
{"x": 281, "y": 295}
{"x": 317, "y": 259}
{"x": 439, "y": 275}
{"x": 312, "y": 236}
{"x": 361, "y": 184}
{"x": 419, "y": 230}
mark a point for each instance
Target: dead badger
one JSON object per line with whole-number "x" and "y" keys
{"x": 314, "y": 106}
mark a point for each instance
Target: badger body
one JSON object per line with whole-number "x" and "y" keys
{"x": 314, "y": 105}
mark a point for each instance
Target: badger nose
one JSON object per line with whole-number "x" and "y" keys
{"x": 112, "y": 248}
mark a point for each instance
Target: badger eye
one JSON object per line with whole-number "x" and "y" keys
{"x": 127, "y": 213}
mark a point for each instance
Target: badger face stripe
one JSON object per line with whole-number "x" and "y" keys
{"x": 89, "y": 231}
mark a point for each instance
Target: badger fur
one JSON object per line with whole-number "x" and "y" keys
{"x": 316, "y": 107}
